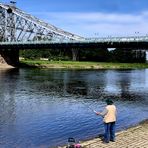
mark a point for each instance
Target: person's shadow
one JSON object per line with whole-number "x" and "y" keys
{"x": 101, "y": 136}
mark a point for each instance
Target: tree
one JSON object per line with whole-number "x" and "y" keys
{"x": 100, "y": 55}
{"x": 128, "y": 56}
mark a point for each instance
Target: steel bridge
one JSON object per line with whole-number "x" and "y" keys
{"x": 20, "y": 30}
{"x": 135, "y": 43}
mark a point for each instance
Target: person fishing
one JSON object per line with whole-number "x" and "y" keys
{"x": 109, "y": 119}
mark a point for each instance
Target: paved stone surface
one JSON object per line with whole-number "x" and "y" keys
{"x": 135, "y": 137}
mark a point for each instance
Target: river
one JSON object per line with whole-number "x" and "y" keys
{"x": 44, "y": 107}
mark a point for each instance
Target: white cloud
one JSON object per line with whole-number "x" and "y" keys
{"x": 102, "y": 24}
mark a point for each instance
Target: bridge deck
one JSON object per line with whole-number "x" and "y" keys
{"x": 140, "y": 44}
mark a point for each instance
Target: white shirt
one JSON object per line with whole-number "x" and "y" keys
{"x": 109, "y": 114}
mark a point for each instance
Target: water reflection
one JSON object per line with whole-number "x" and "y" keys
{"x": 8, "y": 84}
{"x": 98, "y": 85}
{"x": 44, "y": 107}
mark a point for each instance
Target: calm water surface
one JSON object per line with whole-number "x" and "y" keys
{"x": 42, "y": 108}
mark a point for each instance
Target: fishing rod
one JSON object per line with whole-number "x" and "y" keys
{"x": 91, "y": 109}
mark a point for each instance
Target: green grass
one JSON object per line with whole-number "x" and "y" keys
{"x": 82, "y": 65}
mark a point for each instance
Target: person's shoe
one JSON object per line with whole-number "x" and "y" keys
{"x": 112, "y": 140}
{"x": 105, "y": 142}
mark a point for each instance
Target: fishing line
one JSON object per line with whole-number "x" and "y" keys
{"x": 91, "y": 109}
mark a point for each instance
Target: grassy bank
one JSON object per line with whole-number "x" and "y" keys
{"x": 81, "y": 65}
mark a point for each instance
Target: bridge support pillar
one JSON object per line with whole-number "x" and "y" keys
{"x": 10, "y": 57}
{"x": 75, "y": 54}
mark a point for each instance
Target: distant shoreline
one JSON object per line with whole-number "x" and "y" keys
{"x": 74, "y": 65}
{"x": 80, "y": 65}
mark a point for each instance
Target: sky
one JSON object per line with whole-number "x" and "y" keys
{"x": 91, "y": 18}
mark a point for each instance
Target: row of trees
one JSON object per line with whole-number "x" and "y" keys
{"x": 100, "y": 55}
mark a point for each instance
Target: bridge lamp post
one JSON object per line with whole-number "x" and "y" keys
{"x": 137, "y": 33}
{"x": 13, "y": 3}
{"x": 96, "y": 34}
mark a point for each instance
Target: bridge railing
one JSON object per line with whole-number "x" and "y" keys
{"x": 86, "y": 40}
{"x": 119, "y": 39}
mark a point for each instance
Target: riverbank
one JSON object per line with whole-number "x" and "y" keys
{"x": 6, "y": 66}
{"x": 81, "y": 65}
{"x": 134, "y": 137}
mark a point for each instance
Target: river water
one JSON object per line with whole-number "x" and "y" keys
{"x": 43, "y": 108}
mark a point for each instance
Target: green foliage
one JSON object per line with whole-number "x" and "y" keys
{"x": 128, "y": 56}
{"x": 31, "y": 54}
{"x": 99, "y": 55}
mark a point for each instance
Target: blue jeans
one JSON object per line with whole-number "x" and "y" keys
{"x": 109, "y": 132}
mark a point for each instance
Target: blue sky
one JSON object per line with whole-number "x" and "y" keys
{"x": 92, "y": 18}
